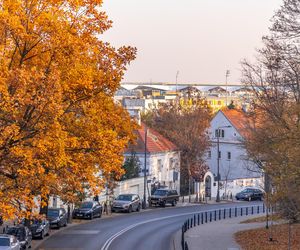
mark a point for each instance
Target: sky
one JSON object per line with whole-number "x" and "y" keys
{"x": 200, "y": 39}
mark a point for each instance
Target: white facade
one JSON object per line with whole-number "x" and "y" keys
{"x": 235, "y": 169}
{"x": 163, "y": 168}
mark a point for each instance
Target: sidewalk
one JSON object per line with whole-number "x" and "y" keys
{"x": 218, "y": 235}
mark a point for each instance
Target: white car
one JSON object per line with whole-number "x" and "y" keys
{"x": 9, "y": 242}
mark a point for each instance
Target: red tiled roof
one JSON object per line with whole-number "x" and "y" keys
{"x": 238, "y": 119}
{"x": 156, "y": 143}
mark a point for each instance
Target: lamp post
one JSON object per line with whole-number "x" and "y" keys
{"x": 218, "y": 161}
{"x": 145, "y": 167}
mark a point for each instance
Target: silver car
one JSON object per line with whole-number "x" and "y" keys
{"x": 127, "y": 203}
{"x": 9, "y": 242}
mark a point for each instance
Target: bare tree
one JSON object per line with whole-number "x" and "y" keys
{"x": 185, "y": 124}
{"x": 274, "y": 140}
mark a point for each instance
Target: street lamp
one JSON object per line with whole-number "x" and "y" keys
{"x": 145, "y": 167}
{"x": 218, "y": 160}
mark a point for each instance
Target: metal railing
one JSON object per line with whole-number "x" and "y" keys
{"x": 201, "y": 218}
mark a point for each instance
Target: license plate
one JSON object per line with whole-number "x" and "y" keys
{"x": 79, "y": 215}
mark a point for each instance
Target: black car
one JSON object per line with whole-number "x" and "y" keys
{"x": 163, "y": 196}
{"x": 250, "y": 194}
{"x": 40, "y": 228}
{"x": 22, "y": 233}
{"x": 57, "y": 217}
{"x": 88, "y": 210}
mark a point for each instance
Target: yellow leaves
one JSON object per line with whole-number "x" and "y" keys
{"x": 59, "y": 126}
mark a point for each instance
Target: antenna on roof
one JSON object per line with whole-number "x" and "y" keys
{"x": 226, "y": 76}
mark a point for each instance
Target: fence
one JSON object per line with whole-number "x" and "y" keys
{"x": 213, "y": 215}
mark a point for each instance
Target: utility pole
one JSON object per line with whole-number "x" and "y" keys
{"x": 218, "y": 161}
{"x": 145, "y": 166}
{"x": 177, "y": 74}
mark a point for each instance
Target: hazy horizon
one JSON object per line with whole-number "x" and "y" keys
{"x": 199, "y": 38}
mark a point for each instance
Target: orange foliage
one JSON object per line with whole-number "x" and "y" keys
{"x": 59, "y": 125}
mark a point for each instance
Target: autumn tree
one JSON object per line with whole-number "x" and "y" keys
{"x": 275, "y": 79}
{"x": 59, "y": 125}
{"x": 185, "y": 124}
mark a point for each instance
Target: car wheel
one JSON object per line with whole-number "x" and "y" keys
{"x": 130, "y": 209}
{"x": 138, "y": 208}
{"x": 58, "y": 226}
{"x": 42, "y": 234}
{"x": 173, "y": 203}
{"x": 249, "y": 199}
{"x": 91, "y": 216}
{"x": 237, "y": 198}
{"x": 163, "y": 204}
{"x": 100, "y": 214}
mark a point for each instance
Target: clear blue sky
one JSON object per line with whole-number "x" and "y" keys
{"x": 200, "y": 38}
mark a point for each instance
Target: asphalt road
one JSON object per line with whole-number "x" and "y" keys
{"x": 152, "y": 229}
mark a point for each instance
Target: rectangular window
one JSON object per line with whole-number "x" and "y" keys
{"x": 209, "y": 154}
{"x": 228, "y": 155}
{"x": 220, "y": 155}
{"x": 159, "y": 165}
{"x": 220, "y": 133}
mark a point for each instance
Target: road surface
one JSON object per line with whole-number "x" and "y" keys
{"x": 151, "y": 229}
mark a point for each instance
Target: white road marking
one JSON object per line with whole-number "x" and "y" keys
{"x": 109, "y": 241}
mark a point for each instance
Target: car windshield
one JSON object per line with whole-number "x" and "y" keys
{"x": 53, "y": 213}
{"x": 161, "y": 192}
{"x": 36, "y": 222}
{"x": 86, "y": 205}
{"x": 124, "y": 197}
{"x": 4, "y": 242}
{"x": 18, "y": 232}
{"x": 247, "y": 191}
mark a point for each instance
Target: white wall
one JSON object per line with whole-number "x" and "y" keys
{"x": 238, "y": 166}
{"x": 164, "y": 172}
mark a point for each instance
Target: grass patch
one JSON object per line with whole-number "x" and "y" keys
{"x": 255, "y": 239}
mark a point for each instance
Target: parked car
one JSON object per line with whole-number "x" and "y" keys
{"x": 250, "y": 194}
{"x": 88, "y": 210}
{"x": 57, "y": 217}
{"x": 9, "y": 242}
{"x": 40, "y": 228}
{"x": 127, "y": 202}
{"x": 22, "y": 233}
{"x": 162, "y": 197}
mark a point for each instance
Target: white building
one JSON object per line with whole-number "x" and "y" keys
{"x": 236, "y": 170}
{"x": 162, "y": 158}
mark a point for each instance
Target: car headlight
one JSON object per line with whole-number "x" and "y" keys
{"x": 23, "y": 242}
{"x": 55, "y": 221}
{"x": 39, "y": 230}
